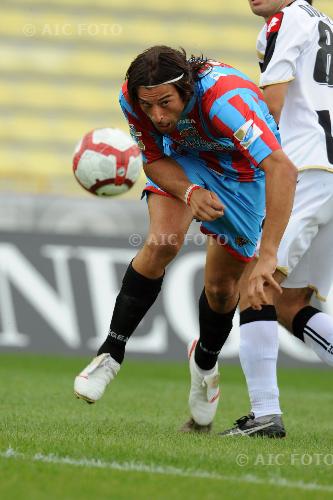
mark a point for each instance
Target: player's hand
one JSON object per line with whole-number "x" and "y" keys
{"x": 261, "y": 283}
{"x": 206, "y": 205}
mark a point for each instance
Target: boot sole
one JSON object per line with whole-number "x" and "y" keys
{"x": 192, "y": 426}
{"x": 84, "y": 398}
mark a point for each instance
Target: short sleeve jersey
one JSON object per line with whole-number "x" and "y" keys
{"x": 226, "y": 123}
{"x": 296, "y": 46}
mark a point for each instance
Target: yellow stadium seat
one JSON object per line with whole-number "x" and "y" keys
{"x": 62, "y": 65}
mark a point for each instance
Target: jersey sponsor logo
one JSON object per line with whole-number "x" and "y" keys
{"x": 195, "y": 141}
{"x": 274, "y": 23}
{"x": 189, "y": 131}
{"x": 248, "y": 133}
{"x": 241, "y": 241}
{"x": 186, "y": 121}
{"x": 191, "y": 138}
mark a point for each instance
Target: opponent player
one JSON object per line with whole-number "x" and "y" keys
{"x": 296, "y": 52}
{"x": 208, "y": 141}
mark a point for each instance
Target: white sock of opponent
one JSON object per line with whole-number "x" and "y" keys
{"x": 258, "y": 352}
{"x": 315, "y": 329}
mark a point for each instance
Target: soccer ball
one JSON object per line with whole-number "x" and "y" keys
{"x": 107, "y": 162}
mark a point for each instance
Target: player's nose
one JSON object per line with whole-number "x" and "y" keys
{"x": 157, "y": 115}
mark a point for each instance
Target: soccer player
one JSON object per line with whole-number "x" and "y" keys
{"x": 296, "y": 59}
{"x": 208, "y": 143}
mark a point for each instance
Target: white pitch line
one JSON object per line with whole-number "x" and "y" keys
{"x": 162, "y": 469}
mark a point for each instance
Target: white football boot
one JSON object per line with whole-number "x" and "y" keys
{"x": 204, "y": 395}
{"x": 91, "y": 383}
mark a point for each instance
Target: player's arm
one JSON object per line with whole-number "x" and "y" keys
{"x": 241, "y": 118}
{"x": 168, "y": 175}
{"x": 275, "y": 96}
{"x": 281, "y": 175}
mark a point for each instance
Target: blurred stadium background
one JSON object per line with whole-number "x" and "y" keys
{"x": 62, "y": 63}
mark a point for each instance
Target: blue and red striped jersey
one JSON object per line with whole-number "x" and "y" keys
{"x": 226, "y": 123}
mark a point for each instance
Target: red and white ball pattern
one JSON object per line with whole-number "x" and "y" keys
{"x": 107, "y": 162}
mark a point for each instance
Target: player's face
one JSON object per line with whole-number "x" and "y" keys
{"x": 266, "y": 8}
{"x": 163, "y": 105}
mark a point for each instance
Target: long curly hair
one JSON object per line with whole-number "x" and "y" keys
{"x": 159, "y": 64}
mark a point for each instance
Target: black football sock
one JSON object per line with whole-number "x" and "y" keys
{"x": 301, "y": 319}
{"x": 315, "y": 329}
{"x": 136, "y": 296}
{"x": 214, "y": 331}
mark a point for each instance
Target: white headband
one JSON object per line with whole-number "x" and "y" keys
{"x": 164, "y": 83}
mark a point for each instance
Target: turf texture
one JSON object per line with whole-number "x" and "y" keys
{"x": 127, "y": 446}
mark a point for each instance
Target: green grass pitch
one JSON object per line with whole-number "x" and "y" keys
{"x": 127, "y": 446}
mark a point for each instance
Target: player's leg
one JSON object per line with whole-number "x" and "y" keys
{"x": 314, "y": 272}
{"x": 218, "y": 302}
{"x": 260, "y": 328}
{"x": 259, "y": 343}
{"x": 232, "y": 244}
{"x": 258, "y": 353}
{"x": 309, "y": 324}
{"x": 312, "y": 208}
{"x": 217, "y": 306}
{"x": 169, "y": 222}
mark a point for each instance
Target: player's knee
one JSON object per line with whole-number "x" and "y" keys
{"x": 221, "y": 292}
{"x": 163, "y": 248}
